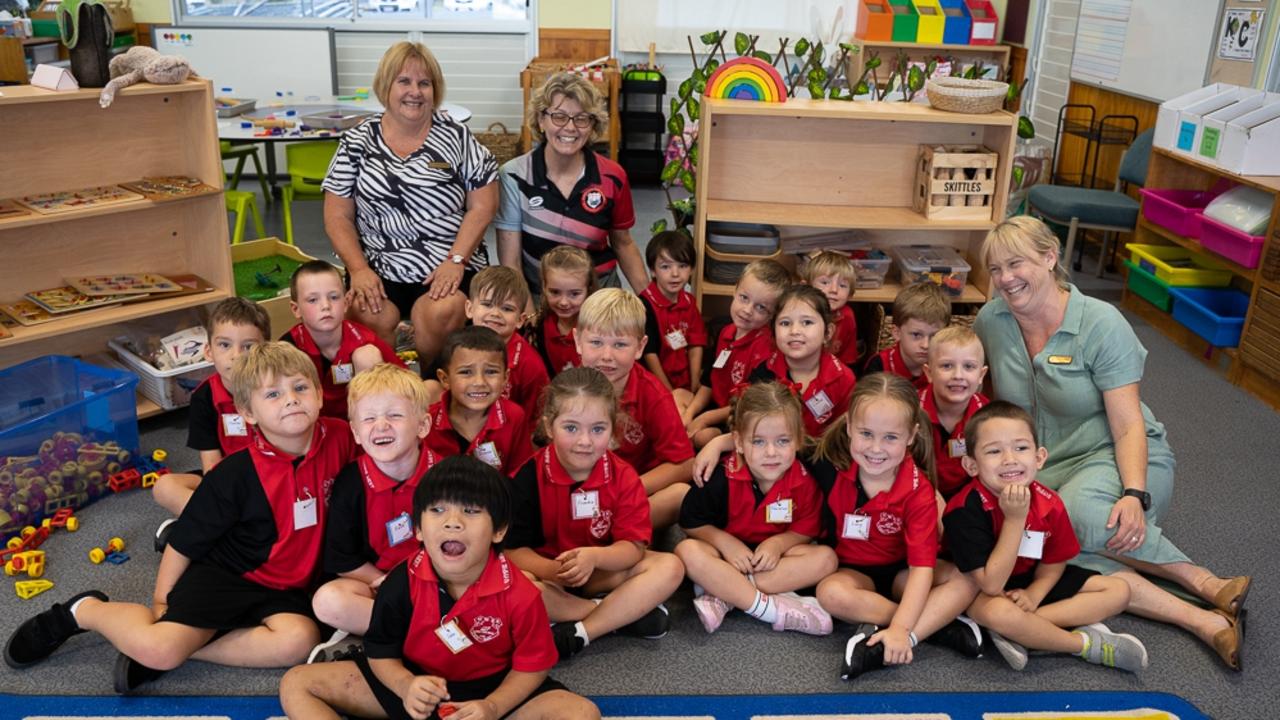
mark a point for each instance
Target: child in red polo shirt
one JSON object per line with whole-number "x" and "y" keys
{"x": 567, "y": 279}
{"x": 1013, "y": 537}
{"x": 750, "y": 524}
{"x": 456, "y": 630}
{"x": 339, "y": 347}
{"x": 833, "y": 274}
{"x": 875, "y": 467}
{"x": 583, "y": 530}
{"x": 648, "y": 433}
{"x": 370, "y": 530}
{"x": 472, "y": 417}
{"x": 673, "y": 323}
{"x": 233, "y": 585}
{"x": 801, "y": 329}
{"x": 743, "y": 344}
{"x": 955, "y": 370}
{"x": 919, "y": 312}
{"x": 498, "y": 299}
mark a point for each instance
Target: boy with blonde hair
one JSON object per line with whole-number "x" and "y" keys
{"x": 955, "y": 370}
{"x": 834, "y": 274}
{"x": 919, "y": 312}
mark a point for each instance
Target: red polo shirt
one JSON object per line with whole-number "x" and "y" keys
{"x": 500, "y": 617}
{"x": 559, "y": 352}
{"x": 504, "y": 436}
{"x": 844, "y": 339}
{"x": 745, "y": 353}
{"x": 826, "y": 397}
{"x": 213, "y": 409}
{"x": 526, "y": 375}
{"x": 903, "y": 519}
{"x": 732, "y": 501}
{"x": 890, "y": 360}
{"x": 680, "y": 316}
{"x": 336, "y": 373}
{"x": 948, "y": 447}
{"x": 973, "y": 521}
{"x": 386, "y": 499}
{"x": 649, "y": 430}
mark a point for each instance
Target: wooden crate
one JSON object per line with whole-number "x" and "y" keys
{"x": 956, "y": 181}
{"x": 607, "y": 78}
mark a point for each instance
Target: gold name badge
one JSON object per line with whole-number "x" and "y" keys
{"x": 436, "y": 165}
{"x": 1060, "y": 359}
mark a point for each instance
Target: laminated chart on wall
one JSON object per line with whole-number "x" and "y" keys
{"x": 1100, "y": 38}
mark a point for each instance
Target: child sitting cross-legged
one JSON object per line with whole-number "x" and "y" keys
{"x": 919, "y": 312}
{"x": 1013, "y": 537}
{"x": 456, "y": 631}
{"x": 955, "y": 370}
{"x": 583, "y": 527}
{"x": 233, "y": 585}
{"x": 370, "y": 527}
{"x": 750, "y": 524}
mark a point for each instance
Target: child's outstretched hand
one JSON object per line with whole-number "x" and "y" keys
{"x": 424, "y": 694}
{"x": 897, "y": 645}
{"x": 475, "y": 710}
{"x": 1015, "y": 501}
{"x": 576, "y": 566}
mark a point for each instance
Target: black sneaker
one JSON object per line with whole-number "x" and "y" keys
{"x": 858, "y": 656}
{"x": 350, "y": 652}
{"x": 162, "y": 534}
{"x": 37, "y": 638}
{"x": 651, "y": 626}
{"x": 326, "y": 651}
{"x": 130, "y": 674}
{"x": 962, "y": 635}
{"x": 567, "y": 641}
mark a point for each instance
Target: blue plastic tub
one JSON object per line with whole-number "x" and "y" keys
{"x": 1215, "y": 315}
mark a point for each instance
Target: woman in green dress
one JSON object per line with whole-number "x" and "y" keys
{"x": 1074, "y": 363}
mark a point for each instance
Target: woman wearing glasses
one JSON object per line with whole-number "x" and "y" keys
{"x": 563, "y": 193}
{"x": 407, "y": 199}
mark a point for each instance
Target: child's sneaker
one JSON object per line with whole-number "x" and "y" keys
{"x": 566, "y": 640}
{"x": 129, "y": 674}
{"x": 962, "y": 635}
{"x": 651, "y": 626}
{"x": 860, "y": 657}
{"x": 1012, "y": 652}
{"x": 322, "y": 652}
{"x": 38, "y": 637}
{"x": 162, "y": 534}
{"x": 711, "y": 611}
{"x": 801, "y": 614}
{"x": 1117, "y": 650}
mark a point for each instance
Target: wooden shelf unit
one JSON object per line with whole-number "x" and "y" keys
{"x": 1255, "y": 365}
{"x": 887, "y": 50}
{"x": 846, "y": 165}
{"x": 150, "y": 130}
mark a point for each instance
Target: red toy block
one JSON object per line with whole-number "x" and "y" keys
{"x": 126, "y": 479}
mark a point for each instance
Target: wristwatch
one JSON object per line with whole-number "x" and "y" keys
{"x": 456, "y": 259}
{"x": 1143, "y": 496}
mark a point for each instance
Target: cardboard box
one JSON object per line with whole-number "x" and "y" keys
{"x": 906, "y": 23}
{"x": 277, "y": 307}
{"x": 959, "y": 26}
{"x": 1250, "y": 144}
{"x": 1166, "y": 135}
{"x": 932, "y": 23}
{"x": 875, "y": 20}
{"x": 1209, "y": 135}
{"x": 985, "y": 21}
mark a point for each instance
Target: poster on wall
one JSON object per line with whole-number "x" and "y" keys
{"x": 1241, "y": 28}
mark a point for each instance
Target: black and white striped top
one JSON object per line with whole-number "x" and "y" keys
{"x": 408, "y": 210}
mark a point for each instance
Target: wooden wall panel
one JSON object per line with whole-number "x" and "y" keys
{"x": 573, "y": 43}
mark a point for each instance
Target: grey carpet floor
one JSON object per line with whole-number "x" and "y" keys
{"x": 1223, "y": 516}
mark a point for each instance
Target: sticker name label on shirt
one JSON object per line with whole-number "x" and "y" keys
{"x": 856, "y": 527}
{"x": 676, "y": 341}
{"x": 778, "y": 511}
{"x": 233, "y": 425}
{"x": 342, "y": 373}
{"x": 399, "y": 529}
{"x": 586, "y": 504}
{"x": 487, "y": 453}
{"x": 1032, "y": 545}
{"x": 453, "y": 637}
{"x": 1060, "y": 359}
{"x": 304, "y": 513}
{"x": 722, "y": 359}
{"x": 820, "y": 405}
{"x": 955, "y": 447}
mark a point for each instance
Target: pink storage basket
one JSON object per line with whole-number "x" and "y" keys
{"x": 1230, "y": 243}
{"x": 1176, "y": 210}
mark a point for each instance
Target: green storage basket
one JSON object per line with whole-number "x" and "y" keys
{"x": 1149, "y": 287}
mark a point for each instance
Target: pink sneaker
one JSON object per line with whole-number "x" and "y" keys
{"x": 711, "y": 611}
{"x": 801, "y": 614}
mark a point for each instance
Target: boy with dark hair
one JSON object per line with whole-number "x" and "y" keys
{"x": 919, "y": 312}
{"x": 673, "y": 323}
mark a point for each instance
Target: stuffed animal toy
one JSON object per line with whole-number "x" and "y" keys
{"x": 143, "y": 63}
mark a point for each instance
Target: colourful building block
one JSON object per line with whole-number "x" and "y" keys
{"x": 932, "y": 21}
{"x": 875, "y": 20}
{"x": 27, "y": 589}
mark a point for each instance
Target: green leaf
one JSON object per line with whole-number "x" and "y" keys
{"x": 1013, "y": 92}
{"x": 819, "y": 53}
{"x": 762, "y": 55}
{"x": 670, "y": 170}
{"x": 873, "y": 63}
{"x": 693, "y": 156}
{"x": 686, "y": 87}
{"x": 888, "y": 85}
{"x": 675, "y": 125}
{"x": 695, "y": 108}
{"x": 862, "y": 89}
{"x": 815, "y": 90}
{"x": 971, "y": 73}
{"x": 740, "y": 43}
{"x": 700, "y": 74}
{"x": 675, "y": 106}
{"x": 710, "y": 38}
{"x": 850, "y": 47}
{"x": 659, "y": 225}
{"x": 915, "y": 79}
{"x": 1018, "y": 174}
{"x": 686, "y": 179}
{"x": 833, "y": 93}
{"x": 817, "y": 75}
{"x": 700, "y": 86}
{"x": 712, "y": 64}
{"x": 1026, "y": 128}
{"x": 931, "y": 68}
{"x": 802, "y": 46}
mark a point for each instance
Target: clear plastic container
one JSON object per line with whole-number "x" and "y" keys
{"x": 941, "y": 264}
{"x": 872, "y": 267}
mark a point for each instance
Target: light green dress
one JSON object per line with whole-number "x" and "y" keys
{"x": 1094, "y": 350}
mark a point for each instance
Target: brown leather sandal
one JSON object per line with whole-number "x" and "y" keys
{"x": 1231, "y": 597}
{"x": 1229, "y": 642}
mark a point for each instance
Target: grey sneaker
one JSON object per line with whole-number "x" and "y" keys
{"x": 1012, "y": 652}
{"x": 325, "y": 651}
{"x": 1117, "y": 650}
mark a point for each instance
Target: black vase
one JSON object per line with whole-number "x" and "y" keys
{"x": 91, "y": 57}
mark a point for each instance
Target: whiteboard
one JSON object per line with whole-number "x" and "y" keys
{"x": 256, "y": 63}
{"x": 1152, "y": 49}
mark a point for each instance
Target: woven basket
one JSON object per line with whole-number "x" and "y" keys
{"x": 503, "y": 144}
{"x": 966, "y": 96}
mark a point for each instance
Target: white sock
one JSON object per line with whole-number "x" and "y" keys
{"x": 581, "y": 631}
{"x": 763, "y": 608}
{"x": 74, "y": 606}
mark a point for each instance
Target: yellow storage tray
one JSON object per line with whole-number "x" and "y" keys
{"x": 1180, "y": 267}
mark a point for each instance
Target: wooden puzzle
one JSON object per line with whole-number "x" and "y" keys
{"x": 68, "y": 299}
{"x": 173, "y": 187}
{"x": 124, "y": 284}
{"x": 26, "y": 312}
{"x": 69, "y": 200}
{"x": 10, "y": 209}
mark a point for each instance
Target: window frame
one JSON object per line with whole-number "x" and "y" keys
{"x": 371, "y": 22}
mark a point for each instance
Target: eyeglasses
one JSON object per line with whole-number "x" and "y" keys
{"x": 559, "y": 119}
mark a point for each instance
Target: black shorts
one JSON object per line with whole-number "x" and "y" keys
{"x": 207, "y": 596}
{"x": 404, "y": 295}
{"x": 459, "y": 690}
{"x": 881, "y": 575}
{"x": 1073, "y": 578}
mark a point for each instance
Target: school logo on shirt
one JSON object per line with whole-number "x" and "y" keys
{"x": 593, "y": 199}
{"x": 632, "y": 431}
{"x": 485, "y": 628}
{"x": 889, "y": 524}
{"x": 535, "y": 201}
{"x": 738, "y": 372}
{"x": 601, "y": 524}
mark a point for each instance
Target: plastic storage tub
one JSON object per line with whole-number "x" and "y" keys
{"x": 940, "y": 264}
{"x": 1176, "y": 210}
{"x": 871, "y": 266}
{"x": 170, "y": 389}
{"x": 1148, "y": 287}
{"x": 1178, "y": 266}
{"x": 743, "y": 238}
{"x": 1215, "y": 315}
{"x": 1230, "y": 243}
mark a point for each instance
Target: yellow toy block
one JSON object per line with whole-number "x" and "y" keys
{"x": 28, "y": 589}
{"x": 159, "y": 455}
{"x": 150, "y": 479}
{"x": 29, "y": 561}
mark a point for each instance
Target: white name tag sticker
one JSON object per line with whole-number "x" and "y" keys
{"x": 955, "y": 447}
{"x": 487, "y": 453}
{"x": 453, "y": 637}
{"x": 856, "y": 527}
{"x": 399, "y": 529}
{"x": 585, "y": 504}
{"x": 1032, "y": 545}
{"x": 676, "y": 340}
{"x": 820, "y": 405}
{"x": 304, "y": 513}
{"x": 722, "y": 359}
{"x": 342, "y": 373}
{"x": 779, "y": 511}
{"x": 233, "y": 425}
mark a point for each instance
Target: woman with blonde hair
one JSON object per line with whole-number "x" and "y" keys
{"x": 564, "y": 193}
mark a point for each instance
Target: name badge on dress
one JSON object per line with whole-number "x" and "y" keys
{"x": 453, "y": 637}
{"x": 722, "y": 359}
{"x": 399, "y": 529}
{"x": 304, "y": 512}
{"x": 779, "y": 511}
{"x": 856, "y": 527}
{"x": 1032, "y": 545}
{"x": 233, "y": 425}
{"x": 439, "y": 165}
{"x": 487, "y": 453}
{"x": 676, "y": 341}
{"x": 1060, "y": 359}
{"x": 586, "y": 504}
{"x": 820, "y": 405}
{"x": 342, "y": 373}
{"x": 955, "y": 447}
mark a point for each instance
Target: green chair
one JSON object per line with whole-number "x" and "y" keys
{"x": 307, "y": 163}
{"x": 241, "y": 153}
{"x": 240, "y": 202}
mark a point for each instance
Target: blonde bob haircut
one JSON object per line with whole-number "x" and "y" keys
{"x": 829, "y": 262}
{"x": 1026, "y": 237}
{"x": 573, "y": 87}
{"x": 393, "y": 62}
{"x": 613, "y": 311}
{"x": 760, "y": 400}
{"x": 267, "y": 361}
{"x": 389, "y": 379}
